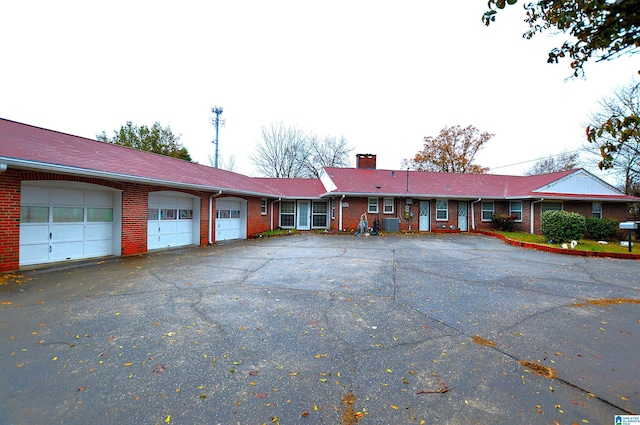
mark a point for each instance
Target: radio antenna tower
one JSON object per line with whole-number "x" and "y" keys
{"x": 217, "y": 110}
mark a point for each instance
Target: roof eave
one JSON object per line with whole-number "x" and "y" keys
{"x": 86, "y": 172}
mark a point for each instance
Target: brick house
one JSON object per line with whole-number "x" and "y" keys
{"x": 64, "y": 197}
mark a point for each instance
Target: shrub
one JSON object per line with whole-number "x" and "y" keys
{"x": 562, "y": 226}
{"x": 503, "y": 221}
{"x": 602, "y": 229}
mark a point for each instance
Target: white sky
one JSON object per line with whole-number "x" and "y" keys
{"x": 381, "y": 74}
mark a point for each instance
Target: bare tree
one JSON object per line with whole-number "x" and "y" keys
{"x": 224, "y": 163}
{"x": 288, "y": 152}
{"x": 562, "y": 162}
{"x": 329, "y": 152}
{"x": 621, "y": 149}
{"x": 452, "y": 151}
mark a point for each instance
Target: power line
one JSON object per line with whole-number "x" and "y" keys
{"x": 537, "y": 159}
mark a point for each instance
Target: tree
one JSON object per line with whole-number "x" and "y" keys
{"x": 604, "y": 29}
{"x": 562, "y": 162}
{"x": 452, "y": 151}
{"x": 329, "y": 152}
{"x": 619, "y": 148}
{"x": 224, "y": 163}
{"x": 289, "y": 152}
{"x": 155, "y": 139}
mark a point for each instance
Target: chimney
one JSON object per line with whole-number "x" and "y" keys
{"x": 366, "y": 161}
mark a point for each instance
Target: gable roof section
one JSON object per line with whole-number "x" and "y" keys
{"x": 29, "y": 147}
{"x": 363, "y": 182}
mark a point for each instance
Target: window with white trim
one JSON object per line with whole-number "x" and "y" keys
{"x": 488, "y": 208}
{"x": 596, "y": 209}
{"x": 319, "y": 210}
{"x": 373, "y": 206}
{"x": 387, "y": 207}
{"x": 263, "y": 206}
{"x": 287, "y": 214}
{"x": 442, "y": 209}
{"x": 551, "y": 206}
{"x": 515, "y": 209}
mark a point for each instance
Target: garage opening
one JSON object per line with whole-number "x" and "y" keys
{"x": 67, "y": 221}
{"x": 173, "y": 220}
{"x": 231, "y": 219}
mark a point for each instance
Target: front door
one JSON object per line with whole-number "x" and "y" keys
{"x": 424, "y": 225}
{"x": 462, "y": 215}
{"x": 304, "y": 209}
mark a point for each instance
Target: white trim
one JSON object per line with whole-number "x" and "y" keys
{"x": 511, "y": 210}
{"x": 384, "y": 205}
{"x": 445, "y": 210}
{"x": 369, "y": 205}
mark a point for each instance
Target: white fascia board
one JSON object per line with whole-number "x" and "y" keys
{"x": 85, "y": 172}
{"x": 327, "y": 182}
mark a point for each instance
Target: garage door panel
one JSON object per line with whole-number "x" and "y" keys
{"x": 67, "y": 232}
{"x": 34, "y": 254}
{"x": 32, "y": 234}
{"x": 167, "y": 229}
{"x": 167, "y": 240}
{"x": 67, "y": 251}
{"x": 97, "y": 248}
{"x": 35, "y": 196}
{"x": 101, "y": 231}
{"x": 67, "y": 197}
{"x": 99, "y": 199}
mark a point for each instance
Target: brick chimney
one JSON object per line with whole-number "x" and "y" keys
{"x": 366, "y": 161}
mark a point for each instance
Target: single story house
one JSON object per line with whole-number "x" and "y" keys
{"x": 65, "y": 197}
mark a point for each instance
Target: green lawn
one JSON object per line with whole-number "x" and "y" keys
{"x": 583, "y": 244}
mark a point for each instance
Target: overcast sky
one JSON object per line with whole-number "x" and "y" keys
{"x": 381, "y": 74}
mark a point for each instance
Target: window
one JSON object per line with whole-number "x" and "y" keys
{"x": 100, "y": 215}
{"x": 263, "y": 206}
{"x": 487, "y": 210}
{"x": 34, "y": 214}
{"x": 287, "y": 213}
{"x": 387, "y": 206}
{"x": 235, "y": 213}
{"x": 152, "y": 214}
{"x": 319, "y": 211}
{"x": 596, "y": 210}
{"x": 168, "y": 214}
{"x": 186, "y": 214}
{"x": 68, "y": 214}
{"x": 442, "y": 209}
{"x": 515, "y": 208}
{"x": 373, "y": 205}
{"x": 551, "y": 206}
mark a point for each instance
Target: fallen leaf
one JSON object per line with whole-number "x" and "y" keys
{"x": 128, "y": 364}
{"x": 82, "y": 388}
{"x": 260, "y": 395}
{"x": 168, "y": 419}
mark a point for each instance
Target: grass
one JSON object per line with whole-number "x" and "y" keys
{"x": 583, "y": 244}
{"x": 277, "y": 232}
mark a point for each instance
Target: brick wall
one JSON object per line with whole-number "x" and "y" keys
{"x": 9, "y": 220}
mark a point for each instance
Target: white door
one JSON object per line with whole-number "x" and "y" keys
{"x": 304, "y": 214}
{"x": 170, "y": 220}
{"x": 463, "y": 208}
{"x": 229, "y": 220}
{"x": 65, "y": 223}
{"x": 424, "y": 225}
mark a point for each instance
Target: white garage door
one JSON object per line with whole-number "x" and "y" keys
{"x": 171, "y": 220}
{"x": 58, "y": 223}
{"x": 229, "y": 220}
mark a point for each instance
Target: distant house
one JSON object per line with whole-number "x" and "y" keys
{"x": 65, "y": 198}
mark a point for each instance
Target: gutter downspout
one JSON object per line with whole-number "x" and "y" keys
{"x": 271, "y": 213}
{"x": 3, "y": 167}
{"x": 340, "y": 229}
{"x": 473, "y": 215}
{"x": 211, "y": 215}
{"x": 531, "y": 214}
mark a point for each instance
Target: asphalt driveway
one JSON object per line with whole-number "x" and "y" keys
{"x": 454, "y": 329}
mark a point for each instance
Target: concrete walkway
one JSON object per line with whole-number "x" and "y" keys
{"x": 316, "y": 329}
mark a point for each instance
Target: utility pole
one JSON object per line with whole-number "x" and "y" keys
{"x": 217, "y": 110}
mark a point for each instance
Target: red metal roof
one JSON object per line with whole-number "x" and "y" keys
{"x": 27, "y": 146}
{"x": 295, "y": 188}
{"x": 451, "y": 185}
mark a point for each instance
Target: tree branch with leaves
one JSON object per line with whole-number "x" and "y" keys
{"x": 452, "y": 151}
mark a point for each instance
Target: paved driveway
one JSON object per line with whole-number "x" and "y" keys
{"x": 454, "y": 329}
